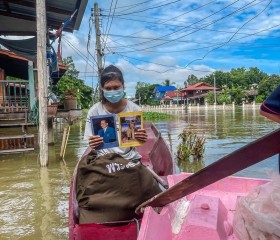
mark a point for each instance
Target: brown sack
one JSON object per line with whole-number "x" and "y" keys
{"x": 109, "y": 188}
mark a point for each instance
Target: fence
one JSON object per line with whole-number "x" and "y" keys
{"x": 14, "y": 95}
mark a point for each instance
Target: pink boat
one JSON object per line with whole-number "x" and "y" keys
{"x": 157, "y": 156}
{"x": 205, "y": 213}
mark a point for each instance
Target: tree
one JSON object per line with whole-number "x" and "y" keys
{"x": 266, "y": 86}
{"x": 70, "y": 82}
{"x": 144, "y": 92}
{"x": 192, "y": 79}
{"x": 167, "y": 82}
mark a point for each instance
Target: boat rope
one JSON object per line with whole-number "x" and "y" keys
{"x": 137, "y": 224}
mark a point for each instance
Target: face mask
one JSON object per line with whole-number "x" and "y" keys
{"x": 114, "y": 95}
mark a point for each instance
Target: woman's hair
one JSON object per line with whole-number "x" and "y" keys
{"x": 110, "y": 73}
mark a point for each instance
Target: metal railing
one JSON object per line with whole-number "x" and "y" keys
{"x": 14, "y": 95}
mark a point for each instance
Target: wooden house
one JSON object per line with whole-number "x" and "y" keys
{"x": 195, "y": 93}
{"x": 18, "y": 94}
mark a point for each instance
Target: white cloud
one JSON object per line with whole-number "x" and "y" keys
{"x": 192, "y": 29}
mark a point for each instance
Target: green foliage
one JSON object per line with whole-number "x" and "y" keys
{"x": 192, "y": 79}
{"x": 144, "y": 92}
{"x": 190, "y": 145}
{"x": 210, "y": 97}
{"x": 234, "y": 84}
{"x": 155, "y": 116}
{"x": 167, "y": 82}
{"x": 70, "y": 86}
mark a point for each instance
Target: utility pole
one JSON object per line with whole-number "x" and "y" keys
{"x": 98, "y": 45}
{"x": 42, "y": 80}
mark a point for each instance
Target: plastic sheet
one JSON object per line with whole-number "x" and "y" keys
{"x": 257, "y": 215}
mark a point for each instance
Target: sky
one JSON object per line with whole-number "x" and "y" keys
{"x": 155, "y": 40}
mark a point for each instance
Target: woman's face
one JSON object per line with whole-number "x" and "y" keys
{"x": 112, "y": 85}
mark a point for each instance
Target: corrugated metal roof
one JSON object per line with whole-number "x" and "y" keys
{"x": 18, "y": 17}
{"x": 164, "y": 88}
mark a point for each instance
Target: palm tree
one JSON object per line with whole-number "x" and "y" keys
{"x": 167, "y": 82}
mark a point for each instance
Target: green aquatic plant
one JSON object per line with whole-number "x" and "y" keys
{"x": 156, "y": 116}
{"x": 191, "y": 145}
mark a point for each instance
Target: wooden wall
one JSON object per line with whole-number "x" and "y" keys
{"x": 2, "y": 77}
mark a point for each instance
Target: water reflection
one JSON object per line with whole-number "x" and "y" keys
{"x": 191, "y": 166}
{"x": 34, "y": 200}
{"x": 46, "y": 204}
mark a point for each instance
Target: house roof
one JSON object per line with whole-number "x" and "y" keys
{"x": 174, "y": 94}
{"x": 18, "y": 17}
{"x": 164, "y": 88}
{"x": 17, "y": 66}
{"x": 166, "y": 98}
{"x": 198, "y": 86}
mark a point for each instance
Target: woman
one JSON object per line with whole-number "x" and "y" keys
{"x": 112, "y": 182}
{"x": 113, "y": 101}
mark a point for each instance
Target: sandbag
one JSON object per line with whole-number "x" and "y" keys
{"x": 109, "y": 188}
{"x": 257, "y": 215}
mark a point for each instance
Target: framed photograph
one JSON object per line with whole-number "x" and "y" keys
{"x": 129, "y": 123}
{"x": 105, "y": 126}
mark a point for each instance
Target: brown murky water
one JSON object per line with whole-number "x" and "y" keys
{"x": 34, "y": 200}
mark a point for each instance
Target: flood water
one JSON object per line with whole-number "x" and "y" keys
{"x": 34, "y": 200}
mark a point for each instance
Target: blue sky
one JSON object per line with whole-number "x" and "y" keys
{"x": 154, "y": 40}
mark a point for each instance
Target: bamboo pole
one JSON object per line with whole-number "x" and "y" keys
{"x": 157, "y": 177}
{"x": 42, "y": 80}
{"x": 65, "y": 137}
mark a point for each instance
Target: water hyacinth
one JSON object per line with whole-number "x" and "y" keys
{"x": 156, "y": 116}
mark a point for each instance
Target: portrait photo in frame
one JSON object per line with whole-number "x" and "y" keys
{"x": 129, "y": 123}
{"x": 105, "y": 126}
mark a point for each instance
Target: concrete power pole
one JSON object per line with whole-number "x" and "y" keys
{"x": 98, "y": 44}
{"x": 42, "y": 80}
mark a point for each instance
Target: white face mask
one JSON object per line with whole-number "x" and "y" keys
{"x": 114, "y": 96}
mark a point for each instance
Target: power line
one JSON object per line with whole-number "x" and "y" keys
{"x": 232, "y": 35}
{"x": 167, "y": 20}
{"x": 239, "y": 9}
{"x": 146, "y": 9}
{"x": 78, "y": 52}
{"x": 133, "y": 5}
{"x": 110, "y": 23}
{"x": 173, "y": 25}
{"x": 163, "y": 65}
{"x": 200, "y": 48}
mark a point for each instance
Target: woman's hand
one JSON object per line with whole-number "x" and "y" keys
{"x": 95, "y": 141}
{"x": 141, "y": 135}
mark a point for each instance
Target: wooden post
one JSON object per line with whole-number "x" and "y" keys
{"x": 63, "y": 141}
{"x": 42, "y": 80}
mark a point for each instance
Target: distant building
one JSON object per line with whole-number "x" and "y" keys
{"x": 160, "y": 91}
{"x": 176, "y": 97}
{"x": 195, "y": 94}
